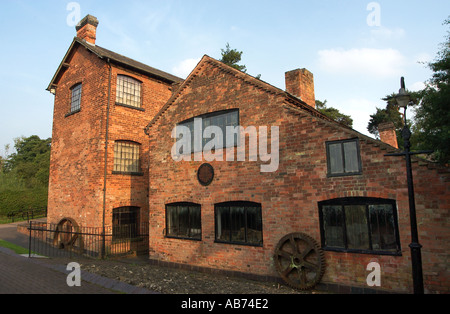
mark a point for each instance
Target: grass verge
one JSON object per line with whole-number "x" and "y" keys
{"x": 17, "y": 249}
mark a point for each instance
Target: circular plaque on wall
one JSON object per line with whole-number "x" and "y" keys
{"x": 205, "y": 174}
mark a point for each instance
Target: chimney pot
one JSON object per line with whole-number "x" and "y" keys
{"x": 87, "y": 29}
{"x": 300, "y": 83}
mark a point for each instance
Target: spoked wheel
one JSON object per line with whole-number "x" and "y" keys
{"x": 300, "y": 261}
{"x": 67, "y": 235}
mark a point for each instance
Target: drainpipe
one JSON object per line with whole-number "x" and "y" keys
{"x": 106, "y": 161}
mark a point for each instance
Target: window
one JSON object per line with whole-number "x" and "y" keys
{"x": 75, "y": 104}
{"x": 359, "y": 224}
{"x": 239, "y": 222}
{"x": 183, "y": 220}
{"x": 221, "y": 119}
{"x": 343, "y": 158}
{"x": 128, "y": 91}
{"x": 125, "y": 222}
{"x": 126, "y": 157}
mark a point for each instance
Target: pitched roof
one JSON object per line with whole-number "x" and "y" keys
{"x": 291, "y": 99}
{"x": 292, "y": 103}
{"x": 106, "y": 54}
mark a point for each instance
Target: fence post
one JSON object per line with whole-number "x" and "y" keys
{"x": 29, "y": 241}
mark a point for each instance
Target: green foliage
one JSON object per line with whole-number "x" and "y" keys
{"x": 24, "y": 175}
{"x": 432, "y": 116}
{"x": 334, "y": 113}
{"x": 232, "y": 57}
{"x": 430, "y": 126}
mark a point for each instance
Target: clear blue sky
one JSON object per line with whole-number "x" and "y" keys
{"x": 356, "y": 49}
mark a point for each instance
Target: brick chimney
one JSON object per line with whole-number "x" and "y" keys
{"x": 300, "y": 83}
{"x": 387, "y": 133}
{"x": 87, "y": 29}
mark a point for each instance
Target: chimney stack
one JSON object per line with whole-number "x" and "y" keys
{"x": 87, "y": 29}
{"x": 387, "y": 133}
{"x": 300, "y": 83}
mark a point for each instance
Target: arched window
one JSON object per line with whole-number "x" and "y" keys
{"x": 125, "y": 222}
{"x": 127, "y": 157}
{"x": 128, "y": 91}
{"x": 183, "y": 220}
{"x": 239, "y": 223}
{"x": 75, "y": 101}
{"x": 360, "y": 225}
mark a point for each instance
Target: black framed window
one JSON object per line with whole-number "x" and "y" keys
{"x": 360, "y": 224}
{"x": 129, "y": 91}
{"x": 239, "y": 223}
{"x": 343, "y": 158}
{"x": 183, "y": 220}
{"x": 75, "y": 102}
{"x": 221, "y": 119}
{"x": 127, "y": 157}
{"x": 125, "y": 222}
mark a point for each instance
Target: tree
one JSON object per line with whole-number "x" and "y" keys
{"x": 391, "y": 113}
{"x": 432, "y": 115}
{"x": 232, "y": 57}
{"x": 334, "y": 113}
{"x": 31, "y": 161}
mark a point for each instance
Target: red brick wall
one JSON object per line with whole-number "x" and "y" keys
{"x": 76, "y": 180}
{"x": 78, "y": 143}
{"x": 289, "y": 196}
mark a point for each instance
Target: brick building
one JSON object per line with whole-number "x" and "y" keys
{"x": 99, "y": 159}
{"x": 290, "y": 192}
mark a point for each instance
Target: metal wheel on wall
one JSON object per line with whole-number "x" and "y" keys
{"x": 300, "y": 261}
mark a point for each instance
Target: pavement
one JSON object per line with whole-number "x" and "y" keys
{"x": 23, "y": 275}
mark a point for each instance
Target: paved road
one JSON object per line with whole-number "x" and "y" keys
{"x": 20, "y": 275}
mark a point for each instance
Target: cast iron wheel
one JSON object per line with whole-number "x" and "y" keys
{"x": 67, "y": 235}
{"x": 300, "y": 261}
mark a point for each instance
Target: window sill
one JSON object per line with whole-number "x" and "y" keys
{"x": 128, "y": 173}
{"x": 334, "y": 175}
{"x": 181, "y": 238}
{"x": 129, "y": 106}
{"x": 72, "y": 113}
{"x": 356, "y": 251}
{"x": 239, "y": 243}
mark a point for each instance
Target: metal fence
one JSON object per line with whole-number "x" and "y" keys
{"x": 67, "y": 240}
{"x": 24, "y": 214}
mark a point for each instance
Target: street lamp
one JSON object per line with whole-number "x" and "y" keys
{"x": 403, "y": 99}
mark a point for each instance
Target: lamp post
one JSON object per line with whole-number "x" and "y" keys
{"x": 403, "y": 99}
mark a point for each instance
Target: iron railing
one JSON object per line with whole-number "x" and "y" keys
{"x": 25, "y": 214}
{"x": 55, "y": 240}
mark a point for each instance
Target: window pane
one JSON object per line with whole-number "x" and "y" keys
{"x": 128, "y": 91}
{"x": 183, "y": 220}
{"x": 126, "y": 157}
{"x": 383, "y": 228}
{"x": 76, "y": 98}
{"x": 172, "y": 221}
{"x": 223, "y": 223}
{"x": 351, "y": 157}
{"x": 336, "y": 162}
{"x": 357, "y": 229}
{"x": 221, "y": 120}
{"x": 195, "y": 222}
{"x": 183, "y": 216}
{"x": 333, "y": 225}
{"x": 254, "y": 225}
{"x": 125, "y": 222}
{"x": 237, "y": 224}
